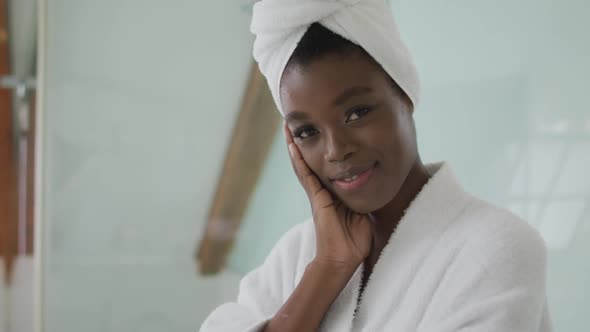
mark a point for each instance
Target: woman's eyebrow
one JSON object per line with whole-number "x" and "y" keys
{"x": 349, "y": 93}
{"x": 296, "y": 115}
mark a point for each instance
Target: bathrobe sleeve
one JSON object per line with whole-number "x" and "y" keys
{"x": 495, "y": 283}
{"x": 262, "y": 291}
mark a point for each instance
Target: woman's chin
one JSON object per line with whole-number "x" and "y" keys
{"x": 362, "y": 207}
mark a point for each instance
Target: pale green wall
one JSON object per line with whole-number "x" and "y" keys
{"x": 138, "y": 117}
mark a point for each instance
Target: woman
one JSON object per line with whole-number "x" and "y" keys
{"x": 393, "y": 245}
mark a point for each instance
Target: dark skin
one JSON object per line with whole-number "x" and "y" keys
{"x": 345, "y": 120}
{"x": 370, "y": 123}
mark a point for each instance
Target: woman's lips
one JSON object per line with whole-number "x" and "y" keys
{"x": 356, "y": 181}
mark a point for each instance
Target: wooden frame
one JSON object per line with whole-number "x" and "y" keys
{"x": 8, "y": 159}
{"x": 253, "y": 134}
{"x": 16, "y": 165}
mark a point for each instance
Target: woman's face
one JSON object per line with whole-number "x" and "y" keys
{"x": 353, "y": 128}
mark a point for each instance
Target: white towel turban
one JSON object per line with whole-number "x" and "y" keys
{"x": 280, "y": 24}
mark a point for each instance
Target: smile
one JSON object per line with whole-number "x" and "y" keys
{"x": 355, "y": 180}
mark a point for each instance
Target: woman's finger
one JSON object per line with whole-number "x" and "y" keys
{"x": 308, "y": 180}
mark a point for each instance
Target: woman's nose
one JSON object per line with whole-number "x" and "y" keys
{"x": 338, "y": 146}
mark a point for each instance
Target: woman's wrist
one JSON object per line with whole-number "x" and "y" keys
{"x": 320, "y": 285}
{"x": 332, "y": 270}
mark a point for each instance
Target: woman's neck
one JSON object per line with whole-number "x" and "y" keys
{"x": 386, "y": 219}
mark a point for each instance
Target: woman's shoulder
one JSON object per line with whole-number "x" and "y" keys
{"x": 497, "y": 235}
{"x": 488, "y": 220}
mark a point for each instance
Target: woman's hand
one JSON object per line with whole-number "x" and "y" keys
{"x": 343, "y": 240}
{"x": 343, "y": 237}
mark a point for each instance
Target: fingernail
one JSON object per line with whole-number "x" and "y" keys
{"x": 291, "y": 150}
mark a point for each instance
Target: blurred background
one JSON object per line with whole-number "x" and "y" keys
{"x": 142, "y": 171}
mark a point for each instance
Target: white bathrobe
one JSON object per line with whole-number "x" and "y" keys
{"x": 455, "y": 263}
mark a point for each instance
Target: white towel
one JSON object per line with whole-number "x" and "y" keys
{"x": 280, "y": 24}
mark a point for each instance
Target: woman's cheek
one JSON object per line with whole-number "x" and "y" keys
{"x": 312, "y": 158}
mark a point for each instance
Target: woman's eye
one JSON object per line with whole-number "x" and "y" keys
{"x": 357, "y": 114}
{"x": 305, "y": 132}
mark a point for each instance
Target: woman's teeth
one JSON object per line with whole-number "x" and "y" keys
{"x": 354, "y": 182}
{"x": 352, "y": 178}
